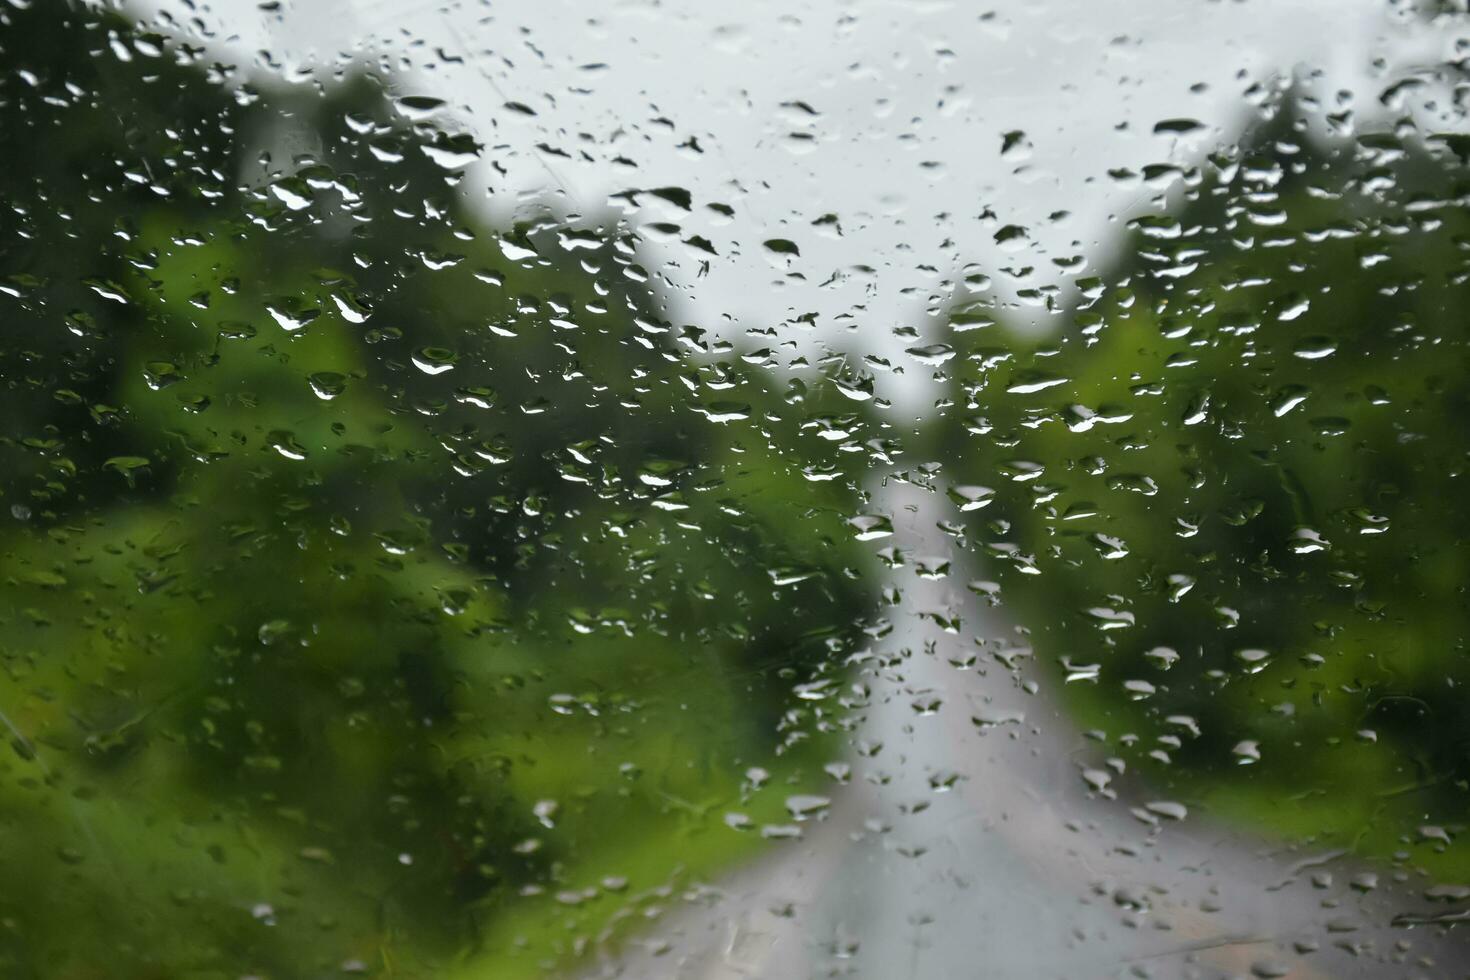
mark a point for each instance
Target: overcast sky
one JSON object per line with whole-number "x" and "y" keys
{"x": 890, "y": 117}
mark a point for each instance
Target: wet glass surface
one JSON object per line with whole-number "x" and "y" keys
{"x": 499, "y": 490}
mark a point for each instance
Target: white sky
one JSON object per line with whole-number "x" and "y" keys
{"x": 911, "y": 98}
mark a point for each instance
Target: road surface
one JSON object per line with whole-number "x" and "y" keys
{"x": 1019, "y": 869}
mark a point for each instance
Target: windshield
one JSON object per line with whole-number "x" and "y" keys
{"x": 655, "y": 490}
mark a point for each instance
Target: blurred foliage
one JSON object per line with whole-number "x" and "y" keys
{"x": 383, "y": 591}
{"x": 1228, "y": 501}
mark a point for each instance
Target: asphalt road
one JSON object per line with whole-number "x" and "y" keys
{"x": 1018, "y": 869}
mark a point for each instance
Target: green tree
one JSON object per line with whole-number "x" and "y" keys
{"x": 381, "y": 589}
{"x": 1228, "y": 498}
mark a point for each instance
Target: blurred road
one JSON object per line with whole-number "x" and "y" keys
{"x": 1019, "y": 870}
